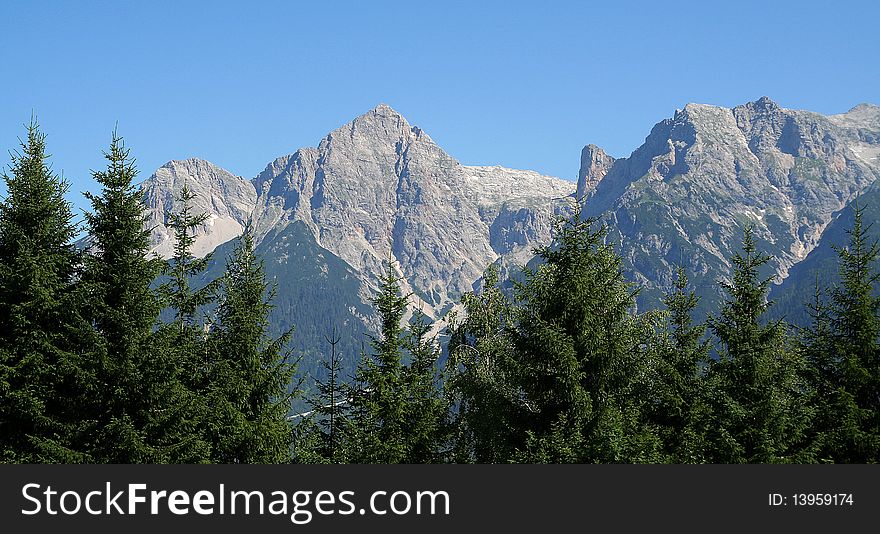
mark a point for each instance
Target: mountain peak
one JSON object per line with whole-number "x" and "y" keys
{"x": 766, "y": 103}
{"x": 382, "y": 124}
{"x": 595, "y": 164}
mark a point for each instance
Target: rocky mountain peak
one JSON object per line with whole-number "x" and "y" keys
{"x": 380, "y": 125}
{"x": 595, "y": 164}
{"x": 379, "y": 187}
{"x": 765, "y": 104}
{"x": 227, "y": 199}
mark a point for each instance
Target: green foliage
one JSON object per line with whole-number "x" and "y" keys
{"x": 396, "y": 409}
{"x": 184, "y": 339}
{"x": 318, "y": 434}
{"x": 847, "y": 332}
{"x": 580, "y": 354}
{"x": 566, "y": 371}
{"x": 41, "y": 376}
{"x": 126, "y": 416}
{"x": 248, "y": 373}
{"x": 481, "y": 377}
{"x": 757, "y": 385}
{"x": 679, "y": 408}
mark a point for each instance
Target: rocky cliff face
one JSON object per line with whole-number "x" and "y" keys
{"x": 595, "y": 164}
{"x": 701, "y": 176}
{"x": 379, "y": 188}
{"x": 227, "y": 199}
{"x": 375, "y": 189}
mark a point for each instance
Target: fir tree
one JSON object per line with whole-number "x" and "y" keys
{"x": 679, "y": 407}
{"x": 375, "y": 429}
{"x": 41, "y": 374}
{"x": 249, "y": 374}
{"x": 397, "y": 412}
{"x": 481, "y": 384}
{"x": 758, "y": 385}
{"x": 581, "y": 353}
{"x": 854, "y": 434}
{"x": 319, "y": 433}
{"x": 183, "y": 340}
{"x": 425, "y": 405}
{"x": 134, "y": 383}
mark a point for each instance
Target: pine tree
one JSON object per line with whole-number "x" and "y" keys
{"x": 679, "y": 407}
{"x": 854, "y": 321}
{"x": 481, "y": 385}
{"x": 133, "y": 382}
{"x": 376, "y": 427}
{"x": 183, "y": 340}
{"x": 427, "y": 409}
{"x": 249, "y": 374}
{"x": 757, "y": 387}
{"x": 817, "y": 345}
{"x": 581, "y": 353}
{"x": 319, "y": 433}
{"x": 397, "y": 411}
{"x": 41, "y": 374}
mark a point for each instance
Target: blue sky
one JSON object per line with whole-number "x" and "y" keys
{"x": 520, "y": 84}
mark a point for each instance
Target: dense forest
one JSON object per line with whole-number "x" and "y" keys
{"x": 107, "y": 355}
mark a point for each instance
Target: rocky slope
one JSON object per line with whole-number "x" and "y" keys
{"x": 327, "y": 218}
{"x": 379, "y": 188}
{"x": 701, "y": 176}
{"x": 227, "y": 199}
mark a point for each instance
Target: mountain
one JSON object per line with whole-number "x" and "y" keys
{"x": 379, "y": 188}
{"x": 821, "y": 264}
{"x": 700, "y": 177}
{"x": 227, "y": 199}
{"x": 327, "y": 218}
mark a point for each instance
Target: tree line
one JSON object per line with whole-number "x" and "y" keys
{"x": 560, "y": 369}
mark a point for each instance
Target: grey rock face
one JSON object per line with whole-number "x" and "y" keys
{"x": 685, "y": 195}
{"x": 227, "y": 199}
{"x": 379, "y": 188}
{"x": 595, "y": 164}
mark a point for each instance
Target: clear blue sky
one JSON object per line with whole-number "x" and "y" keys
{"x": 524, "y": 85}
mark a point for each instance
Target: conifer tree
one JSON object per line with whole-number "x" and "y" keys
{"x": 397, "y": 411}
{"x": 854, "y": 373}
{"x": 135, "y": 384}
{"x": 481, "y": 384}
{"x": 427, "y": 409}
{"x": 249, "y": 373}
{"x": 375, "y": 429}
{"x": 319, "y": 433}
{"x": 41, "y": 375}
{"x": 183, "y": 340}
{"x": 679, "y": 407}
{"x": 817, "y": 345}
{"x": 580, "y": 353}
{"x": 758, "y": 385}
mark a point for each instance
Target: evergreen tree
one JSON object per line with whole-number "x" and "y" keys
{"x": 319, "y": 435}
{"x": 580, "y": 352}
{"x": 816, "y": 344}
{"x": 375, "y": 429}
{"x": 426, "y": 407}
{"x": 852, "y": 434}
{"x": 678, "y": 407}
{"x": 481, "y": 382}
{"x": 397, "y": 412}
{"x": 134, "y": 384}
{"x": 758, "y": 385}
{"x": 249, "y": 375}
{"x": 41, "y": 374}
{"x": 183, "y": 340}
